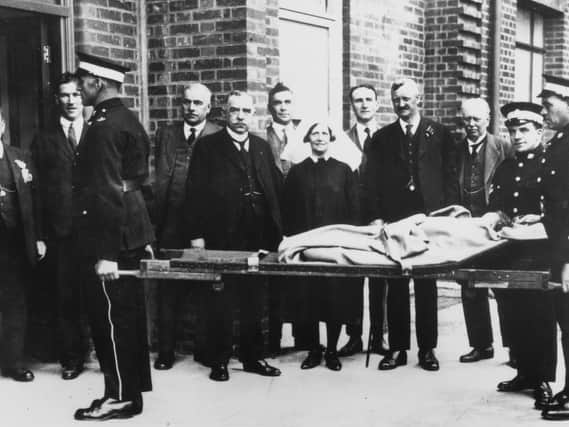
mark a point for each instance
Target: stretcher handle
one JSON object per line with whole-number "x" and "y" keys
{"x": 131, "y": 273}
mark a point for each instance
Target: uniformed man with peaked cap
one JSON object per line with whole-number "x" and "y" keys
{"x": 112, "y": 229}
{"x": 517, "y": 195}
{"x": 555, "y": 103}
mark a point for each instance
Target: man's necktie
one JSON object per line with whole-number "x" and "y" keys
{"x": 367, "y": 140}
{"x": 410, "y": 160}
{"x": 285, "y": 137}
{"x": 191, "y": 136}
{"x": 71, "y": 137}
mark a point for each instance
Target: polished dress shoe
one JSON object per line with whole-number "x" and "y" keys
{"x": 477, "y": 354}
{"x": 543, "y": 395}
{"x": 428, "y": 361}
{"x": 518, "y": 383}
{"x": 557, "y": 408}
{"x": 70, "y": 372}
{"x": 108, "y": 409}
{"x": 332, "y": 361}
{"x": 164, "y": 361}
{"x": 219, "y": 372}
{"x": 18, "y": 374}
{"x": 261, "y": 367}
{"x": 392, "y": 360}
{"x": 312, "y": 360}
{"x": 353, "y": 346}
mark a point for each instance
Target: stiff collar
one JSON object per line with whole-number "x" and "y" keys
{"x": 77, "y": 125}
{"x": 237, "y": 139}
{"x": 315, "y": 159}
{"x": 414, "y": 125}
{"x": 198, "y": 129}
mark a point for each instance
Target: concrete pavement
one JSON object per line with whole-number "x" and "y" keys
{"x": 458, "y": 395}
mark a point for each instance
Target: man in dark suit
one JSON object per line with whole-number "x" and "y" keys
{"x": 363, "y": 99}
{"x": 112, "y": 227}
{"x": 479, "y": 155}
{"x": 54, "y": 151}
{"x": 411, "y": 169}
{"x": 174, "y": 147}
{"x": 233, "y": 204}
{"x": 19, "y": 251}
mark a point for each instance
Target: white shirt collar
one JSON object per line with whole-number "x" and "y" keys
{"x": 476, "y": 145}
{"x": 279, "y": 128}
{"x": 239, "y": 137}
{"x": 315, "y": 159}
{"x": 414, "y": 124}
{"x": 361, "y": 130}
{"x": 77, "y": 125}
{"x": 199, "y": 128}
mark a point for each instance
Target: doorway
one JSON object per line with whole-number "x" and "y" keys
{"x": 30, "y": 57}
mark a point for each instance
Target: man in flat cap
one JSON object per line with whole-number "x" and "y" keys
{"x": 112, "y": 228}
{"x": 555, "y": 103}
{"x": 516, "y": 198}
{"x": 411, "y": 168}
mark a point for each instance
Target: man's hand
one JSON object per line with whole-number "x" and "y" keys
{"x": 148, "y": 249}
{"x": 198, "y": 243}
{"x": 565, "y": 278}
{"x": 107, "y": 270}
{"x": 527, "y": 219}
{"x": 41, "y": 249}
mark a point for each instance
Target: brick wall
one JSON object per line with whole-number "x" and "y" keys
{"x": 108, "y": 28}
{"x": 381, "y": 44}
{"x": 556, "y": 40}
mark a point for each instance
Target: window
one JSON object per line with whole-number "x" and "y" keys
{"x": 310, "y": 46}
{"x": 529, "y": 55}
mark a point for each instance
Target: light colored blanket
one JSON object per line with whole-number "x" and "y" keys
{"x": 419, "y": 240}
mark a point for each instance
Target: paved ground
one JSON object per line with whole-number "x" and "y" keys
{"x": 458, "y": 395}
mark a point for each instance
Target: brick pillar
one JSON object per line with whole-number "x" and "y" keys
{"x": 556, "y": 28}
{"x": 108, "y": 28}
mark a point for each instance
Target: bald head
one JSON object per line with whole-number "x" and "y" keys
{"x": 475, "y": 116}
{"x": 196, "y": 103}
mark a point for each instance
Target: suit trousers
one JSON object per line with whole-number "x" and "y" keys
{"x": 68, "y": 300}
{"x": 15, "y": 275}
{"x": 399, "y": 314}
{"x": 476, "y": 310}
{"x": 562, "y": 315}
{"x": 117, "y": 317}
{"x": 246, "y": 294}
{"x": 377, "y": 304}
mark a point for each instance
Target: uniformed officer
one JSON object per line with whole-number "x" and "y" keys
{"x": 555, "y": 102}
{"x": 516, "y": 197}
{"x": 112, "y": 228}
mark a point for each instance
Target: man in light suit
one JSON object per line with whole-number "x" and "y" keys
{"x": 233, "y": 204}
{"x": 411, "y": 168}
{"x": 479, "y": 155}
{"x": 174, "y": 147}
{"x": 54, "y": 153}
{"x": 363, "y": 99}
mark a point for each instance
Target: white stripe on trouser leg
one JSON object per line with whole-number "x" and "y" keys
{"x": 113, "y": 339}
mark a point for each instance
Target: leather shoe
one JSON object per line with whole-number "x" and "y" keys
{"x": 70, "y": 372}
{"x": 543, "y": 395}
{"x": 557, "y": 408}
{"x": 261, "y": 367}
{"x": 428, "y": 361}
{"x": 19, "y": 374}
{"x": 353, "y": 346}
{"x": 312, "y": 360}
{"x": 332, "y": 361}
{"x": 477, "y": 354}
{"x": 219, "y": 372}
{"x": 518, "y": 383}
{"x": 392, "y": 360}
{"x": 108, "y": 409}
{"x": 164, "y": 361}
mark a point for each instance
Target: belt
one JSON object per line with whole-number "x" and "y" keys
{"x": 130, "y": 185}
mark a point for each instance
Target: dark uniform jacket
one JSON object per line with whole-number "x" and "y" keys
{"x": 172, "y": 160}
{"x": 496, "y": 150}
{"x": 109, "y": 211}
{"x": 54, "y": 157}
{"x": 556, "y": 195}
{"x": 26, "y": 195}
{"x": 386, "y": 175}
{"x": 214, "y": 202}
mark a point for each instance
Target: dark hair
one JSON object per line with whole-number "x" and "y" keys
{"x": 279, "y": 87}
{"x": 311, "y": 128}
{"x": 370, "y": 87}
{"x": 67, "y": 77}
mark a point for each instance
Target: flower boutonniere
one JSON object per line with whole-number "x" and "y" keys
{"x": 26, "y": 175}
{"x": 429, "y": 132}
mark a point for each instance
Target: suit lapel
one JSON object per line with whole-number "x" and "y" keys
{"x": 490, "y": 160}
{"x": 63, "y": 143}
{"x": 230, "y": 151}
{"x": 421, "y": 139}
{"x": 463, "y": 153}
{"x": 257, "y": 158}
